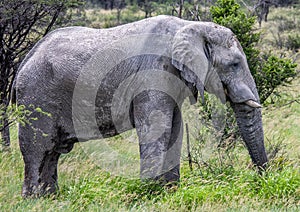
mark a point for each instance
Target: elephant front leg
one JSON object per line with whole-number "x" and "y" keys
{"x": 172, "y": 157}
{"x": 158, "y": 124}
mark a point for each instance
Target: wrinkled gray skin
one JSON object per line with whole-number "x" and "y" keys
{"x": 48, "y": 74}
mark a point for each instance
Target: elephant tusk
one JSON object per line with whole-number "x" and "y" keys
{"x": 254, "y": 104}
{"x": 226, "y": 92}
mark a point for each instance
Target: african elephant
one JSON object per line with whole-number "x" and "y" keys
{"x": 97, "y": 83}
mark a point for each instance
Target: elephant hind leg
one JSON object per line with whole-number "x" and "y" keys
{"x": 40, "y": 160}
{"x": 41, "y": 174}
{"x": 41, "y": 177}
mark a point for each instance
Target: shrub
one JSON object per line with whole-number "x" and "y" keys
{"x": 10, "y": 115}
{"x": 274, "y": 72}
{"x": 293, "y": 42}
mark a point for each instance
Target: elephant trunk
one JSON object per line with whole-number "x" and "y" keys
{"x": 249, "y": 120}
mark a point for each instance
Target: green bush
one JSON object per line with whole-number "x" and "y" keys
{"x": 293, "y": 42}
{"x": 10, "y": 115}
{"x": 275, "y": 72}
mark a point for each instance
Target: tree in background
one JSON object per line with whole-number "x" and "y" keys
{"x": 105, "y": 4}
{"x": 147, "y": 6}
{"x": 120, "y": 4}
{"x": 22, "y": 24}
{"x": 262, "y": 9}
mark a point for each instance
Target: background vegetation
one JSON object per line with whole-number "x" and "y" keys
{"x": 222, "y": 177}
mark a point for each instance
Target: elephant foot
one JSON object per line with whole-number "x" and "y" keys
{"x": 36, "y": 191}
{"x": 170, "y": 177}
{"x": 41, "y": 176}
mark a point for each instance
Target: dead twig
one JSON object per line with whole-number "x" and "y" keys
{"x": 188, "y": 146}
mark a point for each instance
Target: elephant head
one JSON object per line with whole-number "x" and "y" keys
{"x": 211, "y": 58}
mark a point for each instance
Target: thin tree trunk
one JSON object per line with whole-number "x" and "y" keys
{"x": 5, "y": 133}
{"x": 4, "y": 123}
{"x": 118, "y": 16}
{"x": 180, "y": 9}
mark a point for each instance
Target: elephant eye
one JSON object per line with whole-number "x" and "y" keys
{"x": 235, "y": 65}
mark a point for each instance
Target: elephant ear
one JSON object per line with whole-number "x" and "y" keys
{"x": 213, "y": 84}
{"x": 191, "y": 54}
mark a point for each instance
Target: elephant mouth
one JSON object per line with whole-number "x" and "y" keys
{"x": 251, "y": 102}
{"x": 240, "y": 93}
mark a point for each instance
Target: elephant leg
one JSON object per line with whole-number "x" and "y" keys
{"x": 40, "y": 160}
{"x": 172, "y": 159}
{"x": 158, "y": 122}
{"x": 41, "y": 175}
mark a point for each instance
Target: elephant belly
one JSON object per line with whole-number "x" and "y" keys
{"x": 112, "y": 121}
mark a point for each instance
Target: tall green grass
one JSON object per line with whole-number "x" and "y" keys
{"x": 87, "y": 187}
